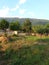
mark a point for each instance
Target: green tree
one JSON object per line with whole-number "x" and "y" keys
{"x": 14, "y": 25}
{"x": 39, "y": 29}
{"x": 47, "y": 29}
{"x": 4, "y": 25}
{"x": 27, "y": 26}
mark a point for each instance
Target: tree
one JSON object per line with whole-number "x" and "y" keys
{"x": 4, "y": 24}
{"x": 27, "y": 26}
{"x": 14, "y": 25}
{"x": 47, "y": 29}
{"x": 39, "y": 29}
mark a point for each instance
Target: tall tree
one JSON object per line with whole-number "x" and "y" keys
{"x": 4, "y": 24}
{"x": 27, "y": 26}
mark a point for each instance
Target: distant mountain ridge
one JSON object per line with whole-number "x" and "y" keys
{"x": 21, "y": 20}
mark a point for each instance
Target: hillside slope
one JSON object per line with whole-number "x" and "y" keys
{"x": 34, "y": 21}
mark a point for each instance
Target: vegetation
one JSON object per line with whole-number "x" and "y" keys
{"x": 27, "y": 26}
{"x": 25, "y": 50}
{"x": 4, "y": 24}
{"x": 14, "y": 25}
{"x": 41, "y": 29}
{"x": 29, "y": 50}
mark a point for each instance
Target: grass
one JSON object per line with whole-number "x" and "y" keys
{"x": 24, "y": 51}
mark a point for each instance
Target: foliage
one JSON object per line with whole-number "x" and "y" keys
{"x": 41, "y": 29}
{"x": 4, "y": 24}
{"x": 27, "y": 26}
{"x": 14, "y": 25}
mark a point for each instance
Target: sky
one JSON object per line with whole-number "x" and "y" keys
{"x": 25, "y": 8}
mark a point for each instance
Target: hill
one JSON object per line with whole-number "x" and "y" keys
{"x": 34, "y": 21}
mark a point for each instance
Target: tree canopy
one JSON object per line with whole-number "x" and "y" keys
{"x": 14, "y": 25}
{"x": 4, "y": 24}
{"x": 27, "y": 26}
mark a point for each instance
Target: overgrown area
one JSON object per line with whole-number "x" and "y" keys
{"x": 29, "y": 49}
{"x": 26, "y": 50}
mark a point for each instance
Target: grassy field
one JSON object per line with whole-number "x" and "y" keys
{"x": 28, "y": 50}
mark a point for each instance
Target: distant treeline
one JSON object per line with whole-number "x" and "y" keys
{"x": 25, "y": 27}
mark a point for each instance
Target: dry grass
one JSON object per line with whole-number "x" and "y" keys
{"x": 26, "y": 51}
{"x": 18, "y": 43}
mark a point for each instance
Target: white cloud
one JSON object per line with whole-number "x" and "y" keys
{"x": 22, "y": 11}
{"x": 15, "y": 8}
{"x": 4, "y": 12}
{"x": 22, "y": 1}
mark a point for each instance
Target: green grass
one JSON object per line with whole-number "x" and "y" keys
{"x": 33, "y": 54}
{"x": 29, "y": 55}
